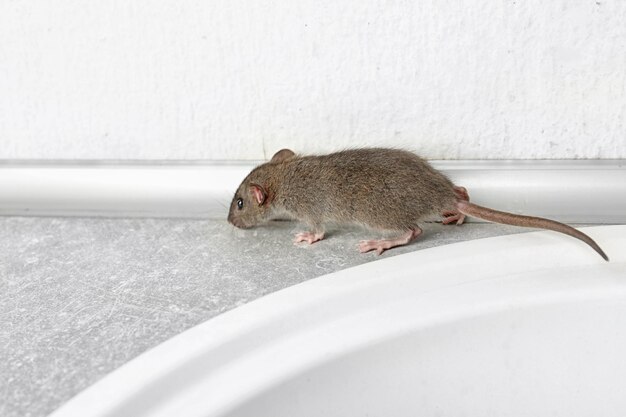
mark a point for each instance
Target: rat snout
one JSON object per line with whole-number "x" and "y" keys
{"x": 237, "y": 222}
{"x": 231, "y": 219}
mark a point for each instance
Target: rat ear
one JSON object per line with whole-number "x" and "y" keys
{"x": 281, "y": 155}
{"x": 259, "y": 193}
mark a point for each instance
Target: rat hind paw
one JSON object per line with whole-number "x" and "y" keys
{"x": 382, "y": 245}
{"x": 452, "y": 217}
{"x": 309, "y": 237}
{"x": 378, "y": 245}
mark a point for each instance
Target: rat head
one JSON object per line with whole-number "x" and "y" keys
{"x": 251, "y": 204}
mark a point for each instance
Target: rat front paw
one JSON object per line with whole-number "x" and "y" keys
{"x": 308, "y": 237}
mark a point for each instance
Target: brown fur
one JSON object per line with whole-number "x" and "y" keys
{"x": 383, "y": 189}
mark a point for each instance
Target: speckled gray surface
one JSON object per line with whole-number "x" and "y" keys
{"x": 82, "y": 296}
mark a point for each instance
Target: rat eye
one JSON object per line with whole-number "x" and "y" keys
{"x": 240, "y": 203}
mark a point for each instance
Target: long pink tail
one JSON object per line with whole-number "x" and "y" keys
{"x": 503, "y": 217}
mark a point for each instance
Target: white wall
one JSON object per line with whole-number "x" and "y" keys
{"x": 196, "y": 79}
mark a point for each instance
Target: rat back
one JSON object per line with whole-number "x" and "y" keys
{"x": 384, "y": 189}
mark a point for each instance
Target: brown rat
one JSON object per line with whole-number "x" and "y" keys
{"x": 382, "y": 189}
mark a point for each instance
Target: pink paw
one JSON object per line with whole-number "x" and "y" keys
{"x": 452, "y": 217}
{"x": 382, "y": 245}
{"x": 308, "y": 237}
{"x": 378, "y": 245}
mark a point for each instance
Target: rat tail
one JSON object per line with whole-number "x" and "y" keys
{"x": 503, "y": 217}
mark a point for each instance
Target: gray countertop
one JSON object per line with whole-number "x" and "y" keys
{"x": 82, "y": 296}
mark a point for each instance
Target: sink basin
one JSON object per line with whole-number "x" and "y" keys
{"x": 529, "y": 324}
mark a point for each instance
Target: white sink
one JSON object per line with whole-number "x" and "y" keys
{"x": 523, "y": 325}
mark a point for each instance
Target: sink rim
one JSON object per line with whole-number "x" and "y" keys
{"x": 300, "y": 308}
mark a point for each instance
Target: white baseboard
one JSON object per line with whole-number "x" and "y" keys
{"x": 572, "y": 191}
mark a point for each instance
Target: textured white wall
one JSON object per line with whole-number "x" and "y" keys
{"x": 231, "y": 79}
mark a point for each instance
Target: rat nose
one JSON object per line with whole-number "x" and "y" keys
{"x": 236, "y": 222}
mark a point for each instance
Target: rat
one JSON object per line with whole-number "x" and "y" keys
{"x": 388, "y": 190}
